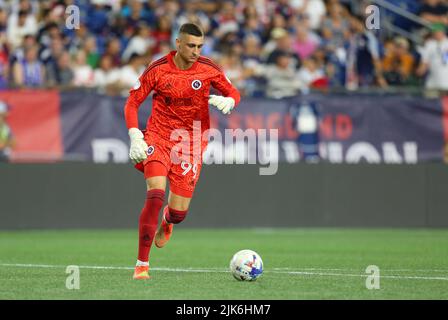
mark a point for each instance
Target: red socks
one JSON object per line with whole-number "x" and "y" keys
{"x": 174, "y": 216}
{"x": 149, "y": 219}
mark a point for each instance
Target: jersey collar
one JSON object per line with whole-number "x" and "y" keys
{"x": 173, "y": 65}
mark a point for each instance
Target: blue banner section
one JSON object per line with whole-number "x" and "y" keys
{"x": 334, "y": 128}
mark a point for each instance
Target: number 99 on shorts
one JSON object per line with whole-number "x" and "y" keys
{"x": 187, "y": 167}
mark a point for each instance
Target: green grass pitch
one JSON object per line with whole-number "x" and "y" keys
{"x": 298, "y": 264}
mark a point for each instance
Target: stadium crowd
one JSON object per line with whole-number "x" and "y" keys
{"x": 273, "y": 48}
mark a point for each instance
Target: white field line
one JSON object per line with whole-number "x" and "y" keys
{"x": 341, "y": 269}
{"x": 215, "y": 270}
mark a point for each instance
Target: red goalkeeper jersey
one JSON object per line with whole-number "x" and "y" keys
{"x": 180, "y": 96}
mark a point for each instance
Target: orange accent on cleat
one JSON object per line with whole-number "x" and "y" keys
{"x": 141, "y": 273}
{"x": 163, "y": 233}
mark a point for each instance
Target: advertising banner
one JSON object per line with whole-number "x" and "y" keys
{"x": 355, "y": 128}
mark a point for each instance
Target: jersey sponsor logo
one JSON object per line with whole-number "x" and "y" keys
{"x": 178, "y": 102}
{"x": 150, "y": 150}
{"x": 196, "y": 84}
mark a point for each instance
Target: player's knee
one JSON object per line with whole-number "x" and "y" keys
{"x": 175, "y": 216}
{"x": 156, "y": 183}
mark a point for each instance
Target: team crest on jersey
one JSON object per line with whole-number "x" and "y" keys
{"x": 196, "y": 84}
{"x": 150, "y": 150}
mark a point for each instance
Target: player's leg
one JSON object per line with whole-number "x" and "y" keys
{"x": 178, "y": 202}
{"x": 183, "y": 179}
{"x": 155, "y": 174}
{"x": 173, "y": 213}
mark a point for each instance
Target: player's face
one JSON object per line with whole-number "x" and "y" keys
{"x": 189, "y": 47}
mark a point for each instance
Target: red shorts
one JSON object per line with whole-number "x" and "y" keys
{"x": 182, "y": 175}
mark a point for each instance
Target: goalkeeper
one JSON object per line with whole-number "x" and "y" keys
{"x": 181, "y": 82}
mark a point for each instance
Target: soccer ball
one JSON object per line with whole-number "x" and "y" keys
{"x": 246, "y": 265}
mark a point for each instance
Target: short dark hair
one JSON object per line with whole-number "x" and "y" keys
{"x": 192, "y": 29}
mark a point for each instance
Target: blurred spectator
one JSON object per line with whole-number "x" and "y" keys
{"x": 61, "y": 73}
{"x": 252, "y": 63}
{"x": 254, "y": 31}
{"x": 246, "y": 10}
{"x": 97, "y": 17}
{"x": 336, "y": 27}
{"x": 49, "y": 34}
{"x": 311, "y": 75}
{"x": 136, "y": 13}
{"x": 82, "y": 72}
{"x": 284, "y": 8}
{"x": 93, "y": 56}
{"x": 277, "y": 22}
{"x": 168, "y": 8}
{"x": 140, "y": 43}
{"x": 364, "y": 63}
{"x": 29, "y": 71}
{"x": 283, "y": 43}
{"x": 232, "y": 66}
{"x": 4, "y": 62}
{"x": 79, "y": 38}
{"x": 6, "y": 137}
{"x": 107, "y": 77}
{"x": 3, "y": 20}
{"x": 434, "y": 59}
{"x": 255, "y": 8}
{"x": 227, "y": 43}
{"x": 190, "y": 13}
{"x": 50, "y": 55}
{"x": 19, "y": 25}
{"x": 120, "y": 29}
{"x": 251, "y": 27}
{"x": 164, "y": 49}
{"x": 314, "y": 10}
{"x": 29, "y": 5}
{"x": 162, "y": 33}
{"x": 398, "y": 62}
{"x": 19, "y": 53}
{"x": 225, "y": 21}
{"x": 434, "y": 11}
{"x": 113, "y": 49}
{"x": 130, "y": 73}
{"x": 304, "y": 44}
{"x": 282, "y": 80}
{"x": 251, "y": 56}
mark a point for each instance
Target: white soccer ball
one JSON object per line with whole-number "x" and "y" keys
{"x": 246, "y": 265}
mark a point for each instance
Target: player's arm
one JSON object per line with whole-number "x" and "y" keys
{"x": 137, "y": 95}
{"x": 230, "y": 98}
